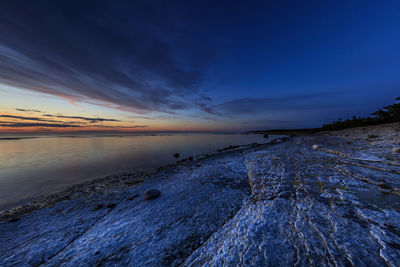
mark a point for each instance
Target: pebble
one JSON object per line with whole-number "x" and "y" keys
{"x": 111, "y": 205}
{"x": 152, "y": 194}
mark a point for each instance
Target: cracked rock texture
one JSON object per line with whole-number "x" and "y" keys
{"x": 274, "y": 205}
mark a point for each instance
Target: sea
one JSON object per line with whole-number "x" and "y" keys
{"x": 35, "y": 164}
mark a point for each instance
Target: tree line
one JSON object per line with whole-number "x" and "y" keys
{"x": 386, "y": 114}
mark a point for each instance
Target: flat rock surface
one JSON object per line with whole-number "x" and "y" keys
{"x": 274, "y": 205}
{"x": 123, "y": 228}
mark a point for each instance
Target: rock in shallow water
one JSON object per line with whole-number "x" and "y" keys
{"x": 152, "y": 194}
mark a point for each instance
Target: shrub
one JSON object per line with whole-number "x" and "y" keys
{"x": 387, "y": 114}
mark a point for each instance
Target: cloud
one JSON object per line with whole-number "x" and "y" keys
{"x": 26, "y": 118}
{"x": 90, "y": 120}
{"x": 243, "y": 106}
{"x": 74, "y": 121}
{"x": 26, "y": 124}
{"x": 61, "y": 125}
{"x": 28, "y": 110}
{"x": 122, "y": 127}
{"x": 142, "y": 117}
{"x": 125, "y": 57}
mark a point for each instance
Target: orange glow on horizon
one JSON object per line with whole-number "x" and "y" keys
{"x": 57, "y": 124}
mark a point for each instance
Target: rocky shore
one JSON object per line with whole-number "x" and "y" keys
{"x": 326, "y": 199}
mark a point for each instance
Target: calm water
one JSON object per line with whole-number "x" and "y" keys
{"x": 34, "y": 166}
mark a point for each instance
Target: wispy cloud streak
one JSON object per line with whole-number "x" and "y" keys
{"x": 134, "y": 63}
{"x": 26, "y": 118}
{"x": 91, "y": 120}
{"x": 37, "y": 123}
{"x": 28, "y": 110}
{"x": 27, "y": 124}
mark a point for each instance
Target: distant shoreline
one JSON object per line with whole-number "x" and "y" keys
{"x": 14, "y": 138}
{"x": 289, "y": 132}
{"x": 117, "y": 181}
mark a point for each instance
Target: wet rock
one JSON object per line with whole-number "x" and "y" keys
{"x": 176, "y": 155}
{"x": 14, "y": 219}
{"x": 152, "y": 194}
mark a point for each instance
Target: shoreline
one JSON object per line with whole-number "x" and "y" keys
{"x": 110, "y": 183}
{"x": 283, "y": 203}
{"x": 121, "y": 180}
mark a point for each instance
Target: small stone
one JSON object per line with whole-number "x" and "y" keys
{"x": 315, "y": 147}
{"x": 14, "y": 219}
{"x": 396, "y": 150}
{"x": 151, "y": 194}
{"x": 176, "y": 155}
{"x": 111, "y": 205}
{"x": 99, "y": 206}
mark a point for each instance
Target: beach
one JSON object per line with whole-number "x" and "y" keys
{"x": 330, "y": 198}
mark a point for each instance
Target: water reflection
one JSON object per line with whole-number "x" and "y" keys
{"x": 33, "y": 166}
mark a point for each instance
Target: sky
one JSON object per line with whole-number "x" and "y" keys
{"x": 194, "y": 65}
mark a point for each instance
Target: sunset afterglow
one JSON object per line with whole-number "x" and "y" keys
{"x": 176, "y": 67}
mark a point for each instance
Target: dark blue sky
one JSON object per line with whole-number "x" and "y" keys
{"x": 235, "y": 64}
